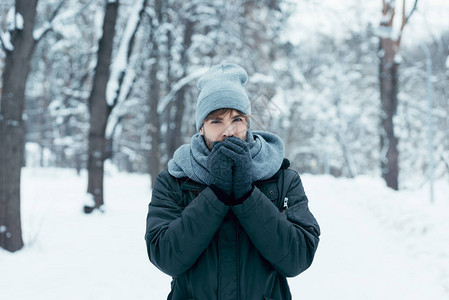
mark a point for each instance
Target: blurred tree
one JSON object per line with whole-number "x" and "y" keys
{"x": 18, "y": 43}
{"x": 331, "y": 98}
{"x": 57, "y": 90}
{"x": 99, "y": 108}
{"x": 389, "y": 46}
{"x": 413, "y": 111}
{"x": 106, "y": 93}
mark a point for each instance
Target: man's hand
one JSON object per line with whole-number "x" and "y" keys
{"x": 220, "y": 167}
{"x": 237, "y": 151}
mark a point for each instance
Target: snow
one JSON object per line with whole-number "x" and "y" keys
{"x": 19, "y": 21}
{"x": 376, "y": 243}
{"x": 14, "y": 20}
{"x": 262, "y": 78}
{"x": 5, "y": 38}
{"x": 39, "y": 32}
{"x": 89, "y": 200}
{"x": 70, "y": 32}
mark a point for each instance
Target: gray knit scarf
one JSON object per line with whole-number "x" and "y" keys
{"x": 190, "y": 160}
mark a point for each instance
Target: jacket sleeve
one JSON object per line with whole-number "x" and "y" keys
{"x": 176, "y": 237}
{"x": 287, "y": 240}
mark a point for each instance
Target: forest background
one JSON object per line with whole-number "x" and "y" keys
{"x": 353, "y": 87}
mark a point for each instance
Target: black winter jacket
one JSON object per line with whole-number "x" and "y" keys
{"x": 246, "y": 251}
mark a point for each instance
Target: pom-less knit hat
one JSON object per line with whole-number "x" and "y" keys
{"x": 222, "y": 86}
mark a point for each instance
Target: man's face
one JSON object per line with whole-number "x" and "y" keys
{"x": 222, "y": 126}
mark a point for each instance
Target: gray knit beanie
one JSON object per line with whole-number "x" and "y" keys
{"x": 222, "y": 86}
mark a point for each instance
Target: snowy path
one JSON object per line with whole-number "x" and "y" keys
{"x": 73, "y": 256}
{"x": 357, "y": 258}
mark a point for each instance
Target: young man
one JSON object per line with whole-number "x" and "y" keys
{"x": 229, "y": 220}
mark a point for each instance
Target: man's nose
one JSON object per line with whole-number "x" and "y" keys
{"x": 229, "y": 130}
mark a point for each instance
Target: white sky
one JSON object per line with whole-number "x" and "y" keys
{"x": 337, "y": 17}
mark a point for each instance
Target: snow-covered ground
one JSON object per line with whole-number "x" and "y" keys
{"x": 375, "y": 243}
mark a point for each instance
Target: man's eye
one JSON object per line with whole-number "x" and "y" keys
{"x": 215, "y": 122}
{"x": 238, "y": 119}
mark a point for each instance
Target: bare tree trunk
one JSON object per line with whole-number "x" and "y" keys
{"x": 100, "y": 109}
{"x": 12, "y": 130}
{"x": 388, "y": 78}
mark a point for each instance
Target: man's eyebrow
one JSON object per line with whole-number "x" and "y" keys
{"x": 219, "y": 118}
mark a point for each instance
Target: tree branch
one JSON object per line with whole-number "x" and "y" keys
{"x": 49, "y": 25}
{"x": 387, "y": 8}
{"x": 405, "y": 19}
{"x": 178, "y": 86}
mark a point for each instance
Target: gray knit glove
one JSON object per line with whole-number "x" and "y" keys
{"x": 220, "y": 168}
{"x": 242, "y": 184}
